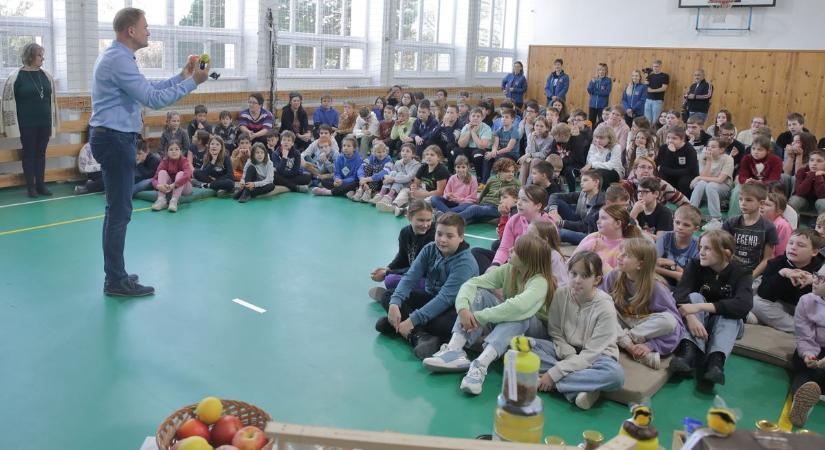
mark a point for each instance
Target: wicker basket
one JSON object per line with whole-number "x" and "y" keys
{"x": 248, "y": 415}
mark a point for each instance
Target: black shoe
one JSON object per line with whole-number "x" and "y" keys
{"x": 384, "y": 326}
{"x": 43, "y": 191}
{"x": 684, "y": 358}
{"x": 134, "y": 278}
{"x": 32, "y": 193}
{"x": 245, "y": 196}
{"x": 715, "y": 368}
{"x": 127, "y": 288}
{"x": 238, "y": 194}
{"x": 426, "y": 345}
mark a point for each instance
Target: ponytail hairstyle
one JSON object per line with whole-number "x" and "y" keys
{"x": 639, "y": 304}
{"x": 533, "y": 253}
{"x": 620, "y": 214}
{"x": 548, "y": 231}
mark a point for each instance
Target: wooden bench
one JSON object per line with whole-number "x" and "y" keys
{"x": 80, "y": 106}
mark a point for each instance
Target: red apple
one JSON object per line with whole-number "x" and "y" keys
{"x": 249, "y": 438}
{"x": 192, "y": 427}
{"x": 224, "y": 430}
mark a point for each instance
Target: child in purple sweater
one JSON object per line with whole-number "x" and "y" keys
{"x": 651, "y": 326}
{"x": 809, "y": 358}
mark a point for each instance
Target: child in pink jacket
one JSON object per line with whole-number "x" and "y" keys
{"x": 461, "y": 187}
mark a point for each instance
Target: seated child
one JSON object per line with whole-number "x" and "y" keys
{"x": 371, "y": 173}
{"x": 677, "y": 161}
{"x": 578, "y": 350}
{"x": 714, "y": 296}
{"x": 146, "y": 165}
{"x": 319, "y": 157}
{"x": 760, "y": 166}
{"x": 528, "y": 286}
{"x": 772, "y": 209}
{"x": 430, "y": 180}
{"x": 653, "y": 218}
{"x": 644, "y": 167}
{"x": 714, "y": 181}
{"x": 398, "y": 180}
{"x": 425, "y": 317}
{"x": 446, "y": 135}
{"x": 227, "y": 130}
{"x": 199, "y": 122}
{"x": 461, "y": 187}
{"x": 197, "y": 149}
{"x": 216, "y": 171}
{"x": 504, "y": 171}
{"x": 810, "y": 184}
{"x": 272, "y": 138}
{"x": 538, "y": 147}
{"x": 90, "y": 168}
{"x": 755, "y": 237}
{"x": 787, "y": 278}
{"x": 424, "y": 128}
{"x": 676, "y": 248}
{"x": 173, "y": 132}
{"x": 605, "y": 156}
{"x": 545, "y": 176}
{"x": 505, "y": 143}
{"x": 650, "y": 325}
{"x": 820, "y": 229}
{"x": 411, "y": 240}
{"x": 574, "y": 210}
{"x": 241, "y": 155}
{"x": 571, "y": 144}
{"x": 345, "y": 172}
{"x": 386, "y": 124}
{"x": 346, "y": 122}
{"x": 809, "y": 358}
{"x": 365, "y": 131}
{"x": 400, "y": 133}
{"x": 613, "y": 227}
{"x": 642, "y": 145}
{"x": 258, "y": 175}
{"x": 173, "y": 176}
{"x": 325, "y": 115}
{"x": 476, "y": 138}
{"x": 286, "y": 161}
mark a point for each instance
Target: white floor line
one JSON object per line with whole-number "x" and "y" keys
{"x": 47, "y": 200}
{"x": 248, "y": 305}
{"x": 478, "y": 237}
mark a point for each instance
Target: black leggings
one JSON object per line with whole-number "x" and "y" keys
{"x": 34, "y": 141}
{"x": 441, "y": 326}
{"x": 217, "y": 184}
{"x": 341, "y": 190}
{"x": 802, "y": 374}
{"x": 292, "y": 182}
{"x": 484, "y": 257}
{"x": 252, "y": 176}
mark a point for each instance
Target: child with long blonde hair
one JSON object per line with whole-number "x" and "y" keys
{"x": 528, "y": 284}
{"x": 650, "y": 324}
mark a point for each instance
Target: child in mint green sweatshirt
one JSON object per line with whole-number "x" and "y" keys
{"x": 528, "y": 284}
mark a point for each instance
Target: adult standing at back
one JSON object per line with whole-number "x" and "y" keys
{"x": 118, "y": 91}
{"x": 657, "y": 82}
{"x": 29, "y": 111}
{"x": 515, "y": 84}
{"x": 697, "y": 96}
{"x": 557, "y": 83}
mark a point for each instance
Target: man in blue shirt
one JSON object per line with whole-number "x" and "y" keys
{"x": 118, "y": 91}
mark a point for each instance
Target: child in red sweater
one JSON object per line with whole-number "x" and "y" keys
{"x": 810, "y": 184}
{"x": 173, "y": 175}
{"x": 760, "y": 165}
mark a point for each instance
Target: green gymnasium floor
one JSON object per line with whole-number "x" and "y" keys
{"x": 82, "y": 371}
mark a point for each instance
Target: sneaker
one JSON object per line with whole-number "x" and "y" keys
{"x": 426, "y": 345}
{"x": 127, "y": 288}
{"x": 624, "y": 341}
{"x": 303, "y": 188}
{"x": 355, "y": 195}
{"x": 321, "y": 191}
{"x": 715, "y": 368}
{"x": 377, "y": 293}
{"x": 384, "y": 326}
{"x": 385, "y": 207}
{"x": 173, "y": 205}
{"x": 586, "y": 400}
{"x": 245, "y": 196}
{"x": 400, "y": 211}
{"x": 80, "y": 190}
{"x": 803, "y": 401}
{"x": 751, "y": 319}
{"x": 652, "y": 360}
{"x": 472, "y": 382}
{"x": 714, "y": 224}
{"x": 376, "y": 198}
{"x": 366, "y": 196}
{"x": 446, "y": 360}
{"x": 42, "y": 190}
{"x": 159, "y": 204}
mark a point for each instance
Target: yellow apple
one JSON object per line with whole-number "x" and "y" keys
{"x": 194, "y": 443}
{"x": 209, "y": 410}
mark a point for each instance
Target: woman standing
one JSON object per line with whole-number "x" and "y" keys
{"x": 29, "y": 111}
{"x": 515, "y": 84}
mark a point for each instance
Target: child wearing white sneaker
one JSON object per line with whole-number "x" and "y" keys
{"x": 528, "y": 285}
{"x": 650, "y": 326}
{"x": 411, "y": 240}
{"x": 809, "y": 359}
{"x": 714, "y": 181}
{"x": 398, "y": 178}
{"x": 371, "y": 173}
{"x": 578, "y": 351}
{"x": 173, "y": 176}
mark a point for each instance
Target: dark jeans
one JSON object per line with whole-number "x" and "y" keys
{"x": 116, "y": 152}
{"x": 220, "y": 184}
{"x": 477, "y": 161}
{"x": 594, "y": 115}
{"x": 442, "y": 204}
{"x": 441, "y": 326}
{"x": 484, "y": 257}
{"x": 292, "y": 183}
{"x": 566, "y": 210}
{"x": 802, "y": 374}
{"x": 472, "y": 213}
{"x": 341, "y": 190}
{"x": 682, "y": 184}
{"x": 34, "y": 141}
{"x": 251, "y": 175}
{"x": 94, "y": 182}
{"x": 569, "y": 173}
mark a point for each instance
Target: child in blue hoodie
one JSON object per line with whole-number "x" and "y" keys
{"x": 371, "y": 173}
{"x": 345, "y": 178}
{"x": 426, "y": 317}
{"x": 287, "y": 162}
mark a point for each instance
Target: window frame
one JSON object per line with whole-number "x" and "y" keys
{"x": 496, "y": 52}
{"x": 35, "y": 26}
{"x": 420, "y": 47}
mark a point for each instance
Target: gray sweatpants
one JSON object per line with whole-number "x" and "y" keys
{"x": 643, "y": 329}
{"x": 777, "y": 315}
{"x": 496, "y": 335}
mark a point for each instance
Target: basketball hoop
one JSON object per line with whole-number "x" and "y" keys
{"x": 719, "y": 9}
